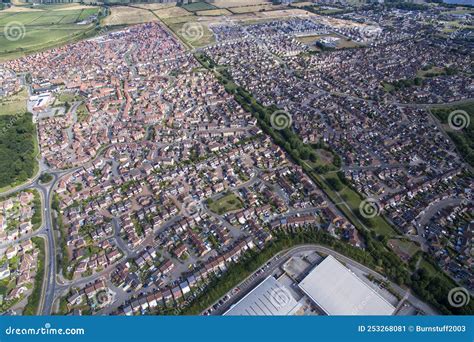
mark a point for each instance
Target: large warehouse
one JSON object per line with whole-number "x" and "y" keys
{"x": 269, "y": 298}
{"x": 338, "y": 291}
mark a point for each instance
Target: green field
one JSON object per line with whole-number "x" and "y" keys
{"x": 28, "y": 31}
{"x": 403, "y": 247}
{"x": 198, "y": 6}
{"x": 192, "y": 32}
{"x": 349, "y": 201}
{"x": 14, "y": 104}
{"x": 463, "y": 137}
{"x": 225, "y": 204}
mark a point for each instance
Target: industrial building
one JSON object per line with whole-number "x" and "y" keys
{"x": 338, "y": 291}
{"x": 269, "y": 298}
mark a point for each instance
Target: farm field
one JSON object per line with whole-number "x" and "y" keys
{"x": 238, "y": 3}
{"x": 18, "y": 9}
{"x": 172, "y": 12}
{"x": 124, "y": 15}
{"x": 155, "y": 6}
{"x": 302, "y": 4}
{"x": 24, "y": 30}
{"x": 193, "y": 27}
{"x": 198, "y": 6}
{"x": 215, "y": 12}
{"x": 191, "y": 31}
{"x": 252, "y": 8}
{"x": 275, "y": 13}
{"x": 18, "y": 2}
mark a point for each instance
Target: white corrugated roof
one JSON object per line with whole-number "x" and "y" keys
{"x": 338, "y": 291}
{"x": 269, "y": 298}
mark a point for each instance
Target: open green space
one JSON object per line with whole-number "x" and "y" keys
{"x": 14, "y": 104}
{"x": 353, "y": 200}
{"x": 68, "y": 97}
{"x": 403, "y": 247}
{"x": 18, "y": 149}
{"x": 229, "y": 202}
{"x": 431, "y": 71}
{"x": 82, "y": 112}
{"x": 45, "y": 178}
{"x": 463, "y": 135}
{"x": 44, "y": 27}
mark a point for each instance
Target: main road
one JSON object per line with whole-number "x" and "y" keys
{"x": 46, "y": 231}
{"x": 49, "y": 281}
